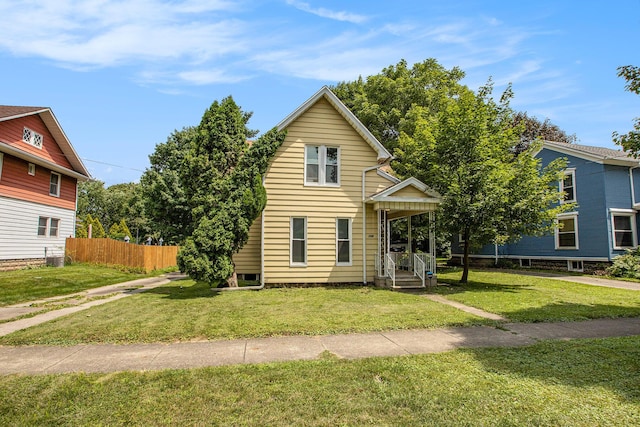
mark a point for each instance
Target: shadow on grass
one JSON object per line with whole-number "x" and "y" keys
{"x": 611, "y": 363}
{"x": 188, "y": 290}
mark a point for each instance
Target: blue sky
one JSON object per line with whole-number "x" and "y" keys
{"x": 121, "y": 75}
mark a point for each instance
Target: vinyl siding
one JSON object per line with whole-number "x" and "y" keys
{"x": 16, "y": 183}
{"x": 248, "y": 259}
{"x": 288, "y": 196}
{"x": 19, "y": 229}
{"x": 11, "y": 133}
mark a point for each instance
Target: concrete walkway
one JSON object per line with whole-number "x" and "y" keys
{"x": 587, "y": 280}
{"x": 111, "y": 358}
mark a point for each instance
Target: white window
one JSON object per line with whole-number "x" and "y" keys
{"x": 54, "y": 184}
{"x": 343, "y": 241}
{"x": 32, "y": 138}
{"x": 42, "y": 225}
{"x": 568, "y": 186}
{"x": 321, "y": 165}
{"x": 31, "y": 169}
{"x": 298, "y": 245}
{"x": 53, "y": 227}
{"x": 575, "y": 265}
{"x": 567, "y": 231}
{"x": 623, "y": 226}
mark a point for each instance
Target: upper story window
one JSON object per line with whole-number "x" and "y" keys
{"x": 567, "y": 231}
{"x": 54, "y": 184}
{"x": 623, "y": 229}
{"x": 568, "y": 186}
{"x": 32, "y": 137}
{"x": 321, "y": 165}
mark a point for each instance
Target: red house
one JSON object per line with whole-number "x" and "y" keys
{"x": 39, "y": 172}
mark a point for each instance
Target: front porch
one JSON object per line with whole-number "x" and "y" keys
{"x": 404, "y": 266}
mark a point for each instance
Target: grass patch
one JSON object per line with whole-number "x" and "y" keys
{"x": 583, "y": 382}
{"x": 525, "y": 298}
{"x": 184, "y": 311}
{"x": 32, "y": 284}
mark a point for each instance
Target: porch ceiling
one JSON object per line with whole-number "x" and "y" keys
{"x": 399, "y": 209}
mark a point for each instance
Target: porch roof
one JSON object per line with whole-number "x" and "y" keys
{"x": 407, "y": 197}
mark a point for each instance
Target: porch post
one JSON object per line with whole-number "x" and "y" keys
{"x": 432, "y": 242}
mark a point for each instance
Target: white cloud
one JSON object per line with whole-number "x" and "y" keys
{"x": 326, "y": 13}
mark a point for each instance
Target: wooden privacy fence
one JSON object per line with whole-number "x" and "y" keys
{"x": 115, "y": 252}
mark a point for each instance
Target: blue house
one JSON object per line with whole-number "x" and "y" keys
{"x": 605, "y": 186}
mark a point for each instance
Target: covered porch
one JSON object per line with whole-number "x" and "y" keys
{"x": 402, "y": 264}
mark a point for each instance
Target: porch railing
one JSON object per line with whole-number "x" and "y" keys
{"x": 419, "y": 267}
{"x": 390, "y": 268}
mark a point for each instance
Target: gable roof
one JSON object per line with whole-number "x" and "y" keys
{"x": 326, "y": 93}
{"x": 601, "y": 155}
{"x": 10, "y": 112}
{"x": 387, "y": 194}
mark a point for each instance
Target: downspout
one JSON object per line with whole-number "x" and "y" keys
{"x": 364, "y": 224}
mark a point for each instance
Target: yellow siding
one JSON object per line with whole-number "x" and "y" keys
{"x": 409, "y": 191}
{"x": 287, "y": 197}
{"x": 248, "y": 259}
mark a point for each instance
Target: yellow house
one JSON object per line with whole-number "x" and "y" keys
{"x": 330, "y": 203}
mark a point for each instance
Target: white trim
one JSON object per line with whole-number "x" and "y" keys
{"x": 325, "y": 92}
{"x": 579, "y": 267}
{"x": 31, "y": 169}
{"x": 570, "y": 172}
{"x": 406, "y": 199}
{"x": 350, "y": 231}
{"x": 536, "y": 257}
{"x": 58, "y": 184}
{"x": 574, "y": 217}
{"x": 306, "y": 243}
{"x": 322, "y": 166}
{"x": 571, "y": 150}
{"x": 632, "y": 219}
{"x": 388, "y": 176}
{"x": 1, "y": 163}
{"x": 30, "y": 158}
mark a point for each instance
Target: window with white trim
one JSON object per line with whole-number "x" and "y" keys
{"x": 624, "y": 230}
{"x": 568, "y": 186}
{"x": 575, "y": 265}
{"x": 343, "y": 241}
{"x": 31, "y": 169}
{"x": 567, "y": 232}
{"x": 298, "y": 245}
{"x": 48, "y": 226}
{"x": 54, "y": 184}
{"x": 32, "y": 138}
{"x": 322, "y": 165}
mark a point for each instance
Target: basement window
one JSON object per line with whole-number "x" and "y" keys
{"x": 575, "y": 265}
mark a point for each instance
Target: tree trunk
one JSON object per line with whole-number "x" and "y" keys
{"x": 232, "y": 281}
{"x": 465, "y": 260}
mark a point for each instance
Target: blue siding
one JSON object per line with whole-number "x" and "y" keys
{"x": 598, "y": 189}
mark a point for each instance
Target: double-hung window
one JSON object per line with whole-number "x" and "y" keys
{"x": 567, "y": 231}
{"x": 568, "y": 186}
{"x": 54, "y": 184}
{"x": 42, "y": 225}
{"x": 48, "y": 226}
{"x": 321, "y": 165}
{"x": 623, "y": 229}
{"x": 343, "y": 241}
{"x": 298, "y": 245}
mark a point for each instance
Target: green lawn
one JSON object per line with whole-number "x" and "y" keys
{"x": 32, "y": 284}
{"x": 523, "y": 298}
{"x": 184, "y": 310}
{"x": 575, "y": 383}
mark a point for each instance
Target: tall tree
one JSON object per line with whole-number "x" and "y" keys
{"x": 630, "y": 141}
{"x": 464, "y": 151}
{"x": 164, "y": 196}
{"x": 221, "y": 175}
{"x": 534, "y": 129}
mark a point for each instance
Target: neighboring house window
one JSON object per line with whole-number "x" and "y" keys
{"x": 321, "y": 165}
{"x": 48, "y": 226}
{"x": 568, "y": 186}
{"x": 298, "y": 248}
{"x": 32, "y": 138}
{"x": 53, "y": 227}
{"x": 31, "y": 169}
{"x": 54, "y": 184}
{"x": 567, "y": 231}
{"x": 624, "y": 230}
{"x": 575, "y": 265}
{"x": 1, "y": 162}
{"x": 343, "y": 241}
{"x": 42, "y": 226}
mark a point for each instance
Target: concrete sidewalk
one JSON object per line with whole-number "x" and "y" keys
{"x": 587, "y": 280}
{"x": 112, "y": 358}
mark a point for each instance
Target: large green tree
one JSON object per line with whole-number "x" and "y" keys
{"x": 221, "y": 175}
{"x": 630, "y": 141}
{"x": 465, "y": 152}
